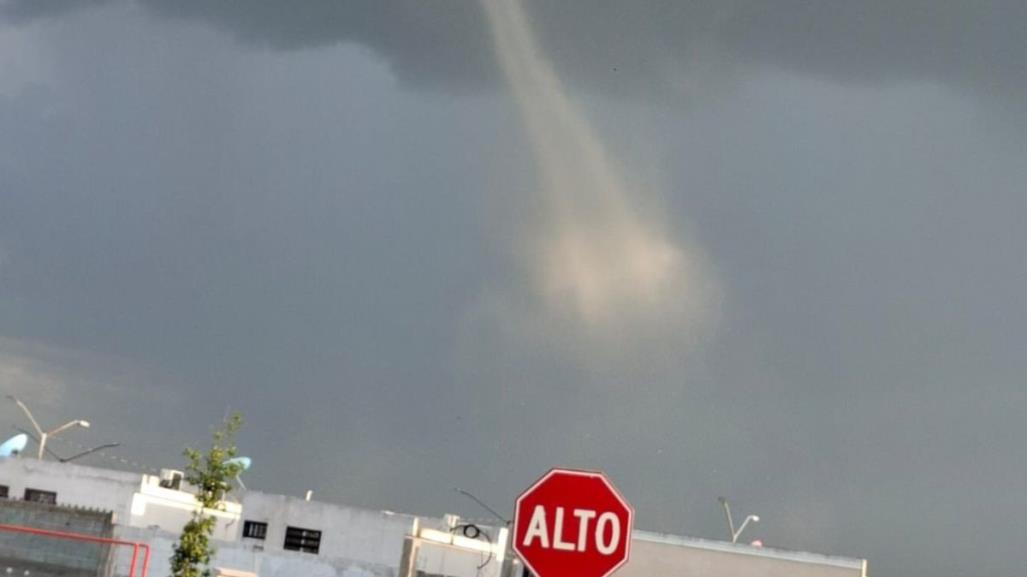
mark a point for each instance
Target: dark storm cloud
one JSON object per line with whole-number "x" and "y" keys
{"x": 613, "y": 45}
{"x": 189, "y": 223}
{"x": 962, "y": 41}
{"x": 17, "y": 10}
{"x": 314, "y": 195}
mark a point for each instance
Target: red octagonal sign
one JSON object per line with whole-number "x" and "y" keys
{"x": 572, "y": 524}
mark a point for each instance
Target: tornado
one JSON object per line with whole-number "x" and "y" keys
{"x": 592, "y": 255}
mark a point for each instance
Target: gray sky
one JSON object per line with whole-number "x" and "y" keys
{"x": 319, "y": 216}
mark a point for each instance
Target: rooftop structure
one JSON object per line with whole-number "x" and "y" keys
{"x": 272, "y": 535}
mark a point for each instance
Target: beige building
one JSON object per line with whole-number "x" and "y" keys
{"x": 657, "y": 555}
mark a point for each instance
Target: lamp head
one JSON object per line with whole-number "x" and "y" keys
{"x": 84, "y": 424}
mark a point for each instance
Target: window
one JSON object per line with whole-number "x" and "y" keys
{"x": 254, "y": 530}
{"x": 4, "y": 490}
{"x": 303, "y": 540}
{"x": 37, "y": 496}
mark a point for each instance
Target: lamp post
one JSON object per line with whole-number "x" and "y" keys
{"x": 44, "y": 435}
{"x": 736, "y": 533}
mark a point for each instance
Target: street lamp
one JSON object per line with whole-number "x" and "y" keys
{"x": 43, "y": 435}
{"x": 730, "y": 522}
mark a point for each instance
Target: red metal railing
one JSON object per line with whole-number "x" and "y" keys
{"x": 137, "y": 548}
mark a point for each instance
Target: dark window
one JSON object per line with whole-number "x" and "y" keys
{"x": 37, "y": 496}
{"x": 4, "y": 490}
{"x": 303, "y": 540}
{"x": 254, "y": 530}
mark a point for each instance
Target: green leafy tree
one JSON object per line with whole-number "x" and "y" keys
{"x": 211, "y": 476}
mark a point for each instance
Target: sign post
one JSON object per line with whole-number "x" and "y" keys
{"x": 572, "y": 524}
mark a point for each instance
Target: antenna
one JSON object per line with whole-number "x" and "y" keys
{"x": 59, "y": 458}
{"x": 244, "y": 464}
{"x": 482, "y": 504}
{"x": 89, "y": 452}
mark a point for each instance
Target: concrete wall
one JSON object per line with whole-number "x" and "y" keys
{"x": 75, "y": 485}
{"x": 364, "y": 543}
{"x": 133, "y": 498}
{"x": 170, "y": 509}
{"x": 56, "y": 518}
{"x": 458, "y": 548}
{"x": 435, "y": 559}
{"x": 355, "y": 542}
{"x": 244, "y": 557}
{"x": 655, "y": 555}
{"x": 364, "y": 535}
{"x": 43, "y": 555}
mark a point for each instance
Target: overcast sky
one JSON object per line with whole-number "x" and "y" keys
{"x": 328, "y": 216}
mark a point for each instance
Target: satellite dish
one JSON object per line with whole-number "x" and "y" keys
{"x": 244, "y": 463}
{"x": 14, "y": 445}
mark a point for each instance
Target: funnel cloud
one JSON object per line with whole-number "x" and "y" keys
{"x": 415, "y": 259}
{"x": 594, "y": 256}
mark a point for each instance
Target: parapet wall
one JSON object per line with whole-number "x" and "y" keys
{"x": 42, "y": 555}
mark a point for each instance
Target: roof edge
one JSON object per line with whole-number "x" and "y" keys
{"x": 766, "y": 552}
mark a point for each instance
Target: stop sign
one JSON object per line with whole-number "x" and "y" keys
{"x": 572, "y": 524}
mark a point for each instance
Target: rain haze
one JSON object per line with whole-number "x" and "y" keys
{"x": 768, "y": 250}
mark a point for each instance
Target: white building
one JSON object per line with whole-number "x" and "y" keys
{"x": 270, "y": 535}
{"x": 264, "y": 534}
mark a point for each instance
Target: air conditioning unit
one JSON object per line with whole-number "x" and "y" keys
{"x": 171, "y": 479}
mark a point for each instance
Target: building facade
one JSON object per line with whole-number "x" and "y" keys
{"x": 268, "y": 535}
